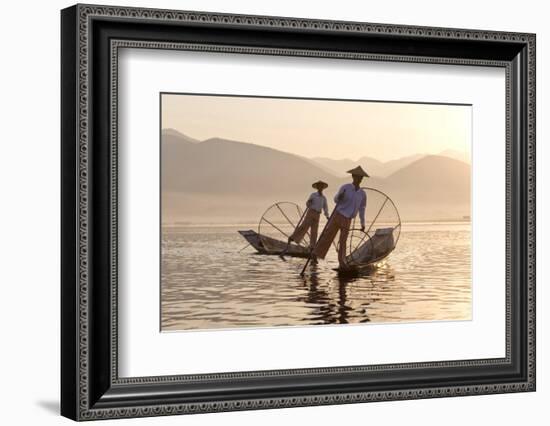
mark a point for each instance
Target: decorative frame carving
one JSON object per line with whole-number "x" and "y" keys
{"x": 85, "y": 396}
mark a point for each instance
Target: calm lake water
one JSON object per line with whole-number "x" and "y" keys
{"x": 207, "y": 283}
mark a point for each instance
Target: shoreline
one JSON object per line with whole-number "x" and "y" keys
{"x": 255, "y": 223}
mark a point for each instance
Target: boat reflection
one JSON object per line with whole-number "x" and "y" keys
{"x": 329, "y": 299}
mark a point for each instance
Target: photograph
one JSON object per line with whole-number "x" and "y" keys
{"x": 281, "y": 211}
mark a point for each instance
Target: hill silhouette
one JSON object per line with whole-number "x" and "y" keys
{"x": 376, "y": 168}
{"x": 224, "y": 180}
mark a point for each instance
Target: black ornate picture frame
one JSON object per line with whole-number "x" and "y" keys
{"x": 90, "y": 385}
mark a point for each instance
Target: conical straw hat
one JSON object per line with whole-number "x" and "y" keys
{"x": 358, "y": 171}
{"x": 321, "y": 184}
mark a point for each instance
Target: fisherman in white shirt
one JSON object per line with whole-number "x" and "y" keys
{"x": 350, "y": 200}
{"x": 310, "y": 221}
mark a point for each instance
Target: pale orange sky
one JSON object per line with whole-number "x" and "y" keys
{"x": 319, "y": 128}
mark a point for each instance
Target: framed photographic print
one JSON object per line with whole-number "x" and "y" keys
{"x": 263, "y": 212}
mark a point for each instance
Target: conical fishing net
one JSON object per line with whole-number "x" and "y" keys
{"x": 382, "y": 230}
{"x": 278, "y": 223}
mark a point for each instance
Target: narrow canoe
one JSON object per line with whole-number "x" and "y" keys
{"x": 272, "y": 246}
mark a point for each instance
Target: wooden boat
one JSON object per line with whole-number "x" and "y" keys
{"x": 366, "y": 248}
{"x": 272, "y": 246}
{"x": 370, "y": 252}
{"x": 374, "y": 249}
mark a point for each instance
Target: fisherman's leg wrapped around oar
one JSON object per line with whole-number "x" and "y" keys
{"x": 310, "y": 221}
{"x": 337, "y": 222}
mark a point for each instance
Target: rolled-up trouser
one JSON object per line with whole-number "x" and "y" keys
{"x": 310, "y": 221}
{"x": 337, "y": 222}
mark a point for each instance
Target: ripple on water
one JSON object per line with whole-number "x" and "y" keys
{"x": 207, "y": 283}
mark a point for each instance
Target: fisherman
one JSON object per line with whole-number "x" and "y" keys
{"x": 350, "y": 200}
{"x": 315, "y": 203}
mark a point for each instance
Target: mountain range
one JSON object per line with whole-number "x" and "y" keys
{"x": 382, "y": 169}
{"x": 375, "y": 167}
{"x": 223, "y": 180}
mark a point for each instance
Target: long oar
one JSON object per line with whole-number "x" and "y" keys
{"x": 319, "y": 239}
{"x": 244, "y": 247}
{"x": 282, "y": 254}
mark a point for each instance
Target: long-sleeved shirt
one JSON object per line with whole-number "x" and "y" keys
{"x": 354, "y": 201}
{"x": 318, "y": 202}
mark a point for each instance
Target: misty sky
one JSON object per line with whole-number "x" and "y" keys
{"x": 313, "y": 128}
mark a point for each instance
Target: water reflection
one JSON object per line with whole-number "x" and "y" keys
{"x": 208, "y": 283}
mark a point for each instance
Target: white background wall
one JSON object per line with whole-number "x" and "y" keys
{"x": 29, "y": 212}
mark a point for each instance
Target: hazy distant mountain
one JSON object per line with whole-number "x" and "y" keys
{"x": 221, "y": 166}
{"x": 457, "y": 155}
{"x": 221, "y": 180}
{"x": 174, "y": 134}
{"x": 450, "y": 173}
{"x": 326, "y": 169}
{"x": 371, "y": 165}
{"x": 433, "y": 186}
{"x": 224, "y": 180}
{"x": 392, "y": 166}
{"x": 339, "y": 167}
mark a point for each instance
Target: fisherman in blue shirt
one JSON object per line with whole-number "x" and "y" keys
{"x": 350, "y": 200}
